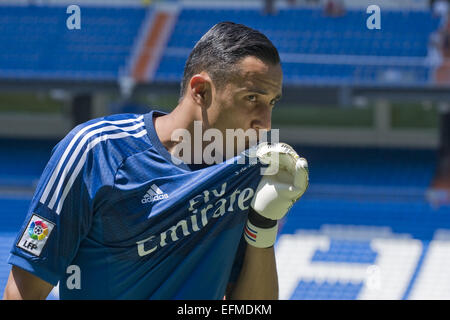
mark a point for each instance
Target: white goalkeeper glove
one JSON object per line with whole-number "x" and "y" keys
{"x": 285, "y": 181}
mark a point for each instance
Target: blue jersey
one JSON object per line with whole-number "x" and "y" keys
{"x": 112, "y": 206}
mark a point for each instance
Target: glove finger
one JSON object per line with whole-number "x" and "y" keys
{"x": 277, "y": 154}
{"x": 301, "y": 174}
{"x": 287, "y": 190}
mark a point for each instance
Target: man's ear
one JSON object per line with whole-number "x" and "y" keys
{"x": 200, "y": 88}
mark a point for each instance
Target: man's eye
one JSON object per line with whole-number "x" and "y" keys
{"x": 251, "y": 98}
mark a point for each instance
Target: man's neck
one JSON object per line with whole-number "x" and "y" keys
{"x": 182, "y": 117}
{"x": 185, "y": 117}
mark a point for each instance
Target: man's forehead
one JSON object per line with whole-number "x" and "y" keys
{"x": 254, "y": 72}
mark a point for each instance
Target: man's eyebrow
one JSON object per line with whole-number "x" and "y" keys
{"x": 263, "y": 92}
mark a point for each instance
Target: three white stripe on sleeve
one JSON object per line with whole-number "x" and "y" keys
{"x": 135, "y": 124}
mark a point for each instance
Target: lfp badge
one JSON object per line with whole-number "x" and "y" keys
{"x": 35, "y": 236}
{"x": 38, "y": 230}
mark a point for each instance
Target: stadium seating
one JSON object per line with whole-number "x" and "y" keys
{"x": 311, "y": 290}
{"x": 16, "y": 169}
{"x": 103, "y": 47}
{"x": 370, "y": 166}
{"x": 50, "y": 50}
{"x": 413, "y": 217}
{"x": 364, "y": 207}
{"x": 309, "y": 31}
{"x": 303, "y": 36}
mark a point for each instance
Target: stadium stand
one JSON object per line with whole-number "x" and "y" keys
{"x": 318, "y": 49}
{"x": 370, "y": 214}
{"x": 392, "y": 234}
{"x": 50, "y": 50}
{"x": 363, "y": 230}
{"x": 314, "y": 48}
{"x": 18, "y": 171}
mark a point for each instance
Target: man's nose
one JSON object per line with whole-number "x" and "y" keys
{"x": 263, "y": 120}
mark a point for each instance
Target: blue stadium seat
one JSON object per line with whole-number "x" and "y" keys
{"x": 308, "y": 31}
{"x": 40, "y": 45}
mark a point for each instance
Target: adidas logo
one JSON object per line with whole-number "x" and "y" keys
{"x": 154, "y": 194}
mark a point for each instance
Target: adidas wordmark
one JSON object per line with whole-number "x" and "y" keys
{"x": 154, "y": 194}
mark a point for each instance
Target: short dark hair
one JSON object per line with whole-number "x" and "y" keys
{"x": 224, "y": 45}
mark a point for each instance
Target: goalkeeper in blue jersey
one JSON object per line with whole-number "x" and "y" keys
{"x": 113, "y": 208}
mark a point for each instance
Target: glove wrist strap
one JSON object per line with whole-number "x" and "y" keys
{"x": 259, "y": 231}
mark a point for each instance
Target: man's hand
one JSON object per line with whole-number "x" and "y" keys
{"x": 285, "y": 181}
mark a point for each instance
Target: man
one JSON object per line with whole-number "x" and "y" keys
{"x": 113, "y": 209}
